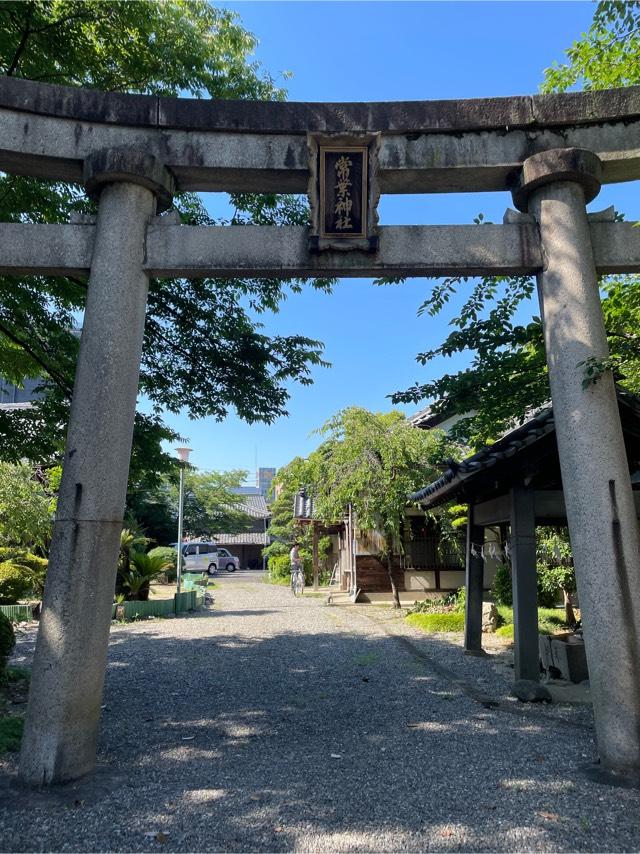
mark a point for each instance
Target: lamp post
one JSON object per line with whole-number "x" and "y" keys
{"x": 183, "y": 455}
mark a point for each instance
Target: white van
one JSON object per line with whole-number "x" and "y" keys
{"x": 207, "y": 557}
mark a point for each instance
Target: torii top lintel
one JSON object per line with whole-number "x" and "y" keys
{"x": 426, "y": 146}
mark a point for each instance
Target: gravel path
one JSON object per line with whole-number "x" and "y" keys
{"x": 274, "y": 724}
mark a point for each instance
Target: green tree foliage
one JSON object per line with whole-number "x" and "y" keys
{"x": 283, "y": 528}
{"x": 203, "y": 351}
{"x": 373, "y": 461}
{"x": 502, "y": 587}
{"x": 507, "y": 376}
{"x": 554, "y": 573}
{"x": 606, "y": 57}
{"x": 25, "y": 507}
{"x": 555, "y": 569}
{"x": 211, "y": 505}
{"x": 155, "y": 510}
{"x": 508, "y": 373}
{"x": 153, "y": 48}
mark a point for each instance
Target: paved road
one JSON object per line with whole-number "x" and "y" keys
{"x": 272, "y": 724}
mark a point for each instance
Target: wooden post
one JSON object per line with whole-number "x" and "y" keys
{"x": 473, "y": 582}
{"x": 316, "y": 562}
{"x": 525, "y": 594}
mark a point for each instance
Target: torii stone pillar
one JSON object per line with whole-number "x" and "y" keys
{"x": 554, "y": 187}
{"x": 63, "y": 714}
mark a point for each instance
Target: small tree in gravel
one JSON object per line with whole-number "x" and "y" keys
{"x": 373, "y": 461}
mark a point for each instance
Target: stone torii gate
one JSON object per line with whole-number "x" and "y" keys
{"x": 132, "y": 152}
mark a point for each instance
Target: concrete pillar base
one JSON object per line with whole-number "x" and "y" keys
{"x": 67, "y": 681}
{"x": 596, "y": 773}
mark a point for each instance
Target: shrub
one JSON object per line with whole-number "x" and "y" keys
{"x": 506, "y": 631}
{"x": 550, "y": 620}
{"x": 453, "y": 621}
{"x": 276, "y": 549}
{"x": 502, "y": 587}
{"x": 15, "y": 582}
{"x": 143, "y": 568}
{"x": 7, "y": 641}
{"x": 279, "y": 566}
{"x": 447, "y": 604}
{"x": 547, "y": 592}
{"x": 11, "y": 733}
{"x": 460, "y": 599}
{"x": 439, "y": 604}
{"x": 171, "y": 557}
{"x": 36, "y": 565}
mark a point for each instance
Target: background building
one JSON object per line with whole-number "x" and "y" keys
{"x": 264, "y": 477}
{"x": 12, "y": 396}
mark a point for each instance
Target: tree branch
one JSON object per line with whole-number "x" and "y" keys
{"x": 58, "y": 378}
{"x": 21, "y": 45}
{"x": 626, "y": 335}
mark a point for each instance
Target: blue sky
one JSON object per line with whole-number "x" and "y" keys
{"x": 377, "y": 51}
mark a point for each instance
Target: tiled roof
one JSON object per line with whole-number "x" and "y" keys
{"x": 254, "y": 506}
{"x": 448, "y": 484}
{"x": 248, "y": 539}
{"x": 302, "y": 506}
{"x": 538, "y": 426}
{"x": 427, "y": 418}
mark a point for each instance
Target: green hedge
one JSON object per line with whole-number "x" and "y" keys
{"x": 15, "y": 582}
{"x": 21, "y": 573}
{"x": 451, "y": 622}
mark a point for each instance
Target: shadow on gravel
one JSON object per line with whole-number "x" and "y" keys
{"x": 328, "y": 740}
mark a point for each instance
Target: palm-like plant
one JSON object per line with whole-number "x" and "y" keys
{"x": 131, "y": 542}
{"x": 141, "y": 571}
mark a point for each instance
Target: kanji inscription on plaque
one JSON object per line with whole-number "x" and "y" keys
{"x": 343, "y": 191}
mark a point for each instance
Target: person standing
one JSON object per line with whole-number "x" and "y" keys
{"x": 294, "y": 557}
{"x": 296, "y": 565}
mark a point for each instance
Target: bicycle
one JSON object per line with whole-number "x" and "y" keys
{"x": 297, "y": 580}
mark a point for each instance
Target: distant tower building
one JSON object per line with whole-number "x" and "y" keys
{"x": 264, "y": 478}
